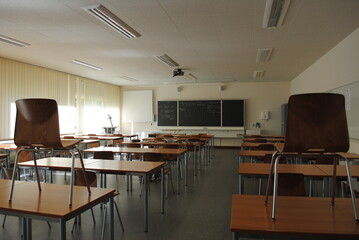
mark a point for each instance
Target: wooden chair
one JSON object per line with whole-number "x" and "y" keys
{"x": 316, "y": 125}
{"x": 157, "y": 157}
{"x": 89, "y": 177}
{"x": 260, "y": 140}
{"x": 107, "y": 155}
{"x": 266, "y": 147}
{"x": 37, "y": 130}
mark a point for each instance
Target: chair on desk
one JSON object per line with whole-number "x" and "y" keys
{"x": 316, "y": 125}
{"x": 37, "y": 131}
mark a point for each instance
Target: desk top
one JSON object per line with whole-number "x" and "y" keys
{"x": 262, "y": 136}
{"x": 263, "y": 169}
{"x": 254, "y": 153}
{"x": 295, "y": 215}
{"x": 51, "y": 202}
{"x": 99, "y": 137}
{"x": 268, "y": 139}
{"x": 101, "y": 165}
{"x": 169, "y": 151}
{"x": 253, "y": 144}
{"x": 163, "y": 143}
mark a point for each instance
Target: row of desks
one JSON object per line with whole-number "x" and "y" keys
{"x": 108, "y": 167}
{"x": 301, "y": 216}
{"x": 316, "y": 170}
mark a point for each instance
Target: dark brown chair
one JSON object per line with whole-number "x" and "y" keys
{"x": 157, "y": 157}
{"x": 89, "y": 177}
{"x": 291, "y": 184}
{"x": 266, "y": 147}
{"x": 107, "y": 155}
{"x": 37, "y": 130}
{"x": 317, "y": 125}
{"x": 260, "y": 140}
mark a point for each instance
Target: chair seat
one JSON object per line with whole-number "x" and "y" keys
{"x": 69, "y": 143}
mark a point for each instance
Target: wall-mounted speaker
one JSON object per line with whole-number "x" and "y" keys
{"x": 222, "y": 87}
{"x": 179, "y": 88}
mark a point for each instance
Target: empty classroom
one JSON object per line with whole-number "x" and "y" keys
{"x": 159, "y": 119}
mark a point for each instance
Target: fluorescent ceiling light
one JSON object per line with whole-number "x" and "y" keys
{"x": 258, "y": 74}
{"x": 167, "y": 60}
{"x": 111, "y": 19}
{"x": 85, "y": 64}
{"x": 191, "y": 77}
{"x": 13, "y": 41}
{"x": 263, "y": 54}
{"x": 274, "y": 13}
{"x": 129, "y": 79}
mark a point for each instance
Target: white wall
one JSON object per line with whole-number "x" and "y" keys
{"x": 259, "y": 97}
{"x": 336, "y": 68}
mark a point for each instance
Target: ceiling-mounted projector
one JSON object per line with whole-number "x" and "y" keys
{"x": 178, "y": 72}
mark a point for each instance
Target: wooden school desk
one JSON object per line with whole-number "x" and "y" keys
{"x": 105, "y": 138}
{"x": 144, "y": 169}
{"x": 296, "y": 217}
{"x": 270, "y": 140}
{"x": 166, "y": 151}
{"x": 51, "y": 204}
{"x": 246, "y": 145}
{"x": 262, "y": 169}
{"x": 252, "y": 154}
{"x": 195, "y": 145}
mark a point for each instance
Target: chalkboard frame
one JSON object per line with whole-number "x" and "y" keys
{"x": 233, "y": 118}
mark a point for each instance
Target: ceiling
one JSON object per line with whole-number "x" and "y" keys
{"x": 215, "y": 40}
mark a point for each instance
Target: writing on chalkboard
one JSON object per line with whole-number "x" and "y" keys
{"x": 206, "y": 113}
{"x": 167, "y": 113}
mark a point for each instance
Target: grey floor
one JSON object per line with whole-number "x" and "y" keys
{"x": 201, "y": 211}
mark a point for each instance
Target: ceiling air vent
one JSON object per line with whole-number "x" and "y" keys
{"x": 274, "y": 13}
{"x": 129, "y": 79}
{"x": 112, "y": 20}
{"x": 258, "y": 74}
{"x": 167, "y": 60}
{"x": 263, "y": 54}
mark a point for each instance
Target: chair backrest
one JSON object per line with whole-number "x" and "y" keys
{"x": 260, "y": 140}
{"x": 80, "y": 180}
{"x": 37, "y": 123}
{"x": 316, "y": 121}
{"x": 103, "y": 155}
{"x": 133, "y": 145}
{"x": 153, "y": 157}
{"x": 291, "y": 184}
{"x": 266, "y": 147}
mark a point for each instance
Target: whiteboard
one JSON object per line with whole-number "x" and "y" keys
{"x": 137, "y": 106}
{"x": 351, "y": 94}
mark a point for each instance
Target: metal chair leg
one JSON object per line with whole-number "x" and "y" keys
{"x": 352, "y": 193}
{"x": 275, "y": 187}
{"x": 14, "y": 174}
{"x": 119, "y": 217}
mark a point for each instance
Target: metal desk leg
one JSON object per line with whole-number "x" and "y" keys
{"x": 162, "y": 192}
{"x": 29, "y": 228}
{"x": 240, "y": 184}
{"x": 195, "y": 160}
{"x": 178, "y": 175}
{"x": 235, "y": 236}
{"x": 186, "y": 170}
{"x": 24, "y": 228}
{"x": 145, "y": 202}
{"x": 63, "y": 229}
{"x": 111, "y": 221}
